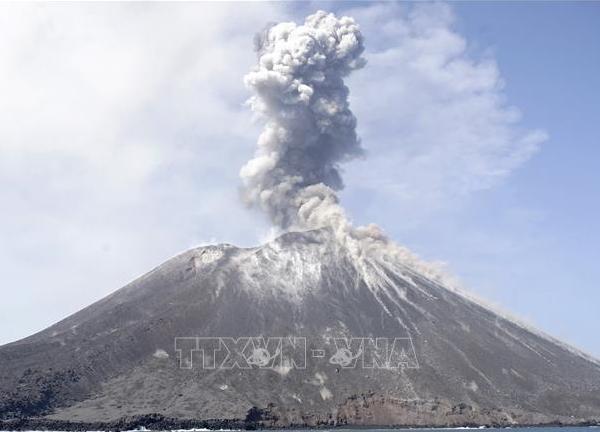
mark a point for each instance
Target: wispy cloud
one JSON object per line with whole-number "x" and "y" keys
{"x": 433, "y": 117}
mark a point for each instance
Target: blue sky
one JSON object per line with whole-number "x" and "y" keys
{"x": 126, "y": 128}
{"x": 539, "y": 228}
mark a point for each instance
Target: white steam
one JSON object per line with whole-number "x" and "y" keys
{"x": 309, "y": 130}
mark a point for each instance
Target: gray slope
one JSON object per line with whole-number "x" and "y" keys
{"x": 474, "y": 365}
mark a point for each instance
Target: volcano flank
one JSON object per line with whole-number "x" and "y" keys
{"x": 118, "y": 359}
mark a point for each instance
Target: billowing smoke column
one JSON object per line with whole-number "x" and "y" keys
{"x": 299, "y": 91}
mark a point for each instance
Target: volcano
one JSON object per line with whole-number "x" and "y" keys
{"x": 458, "y": 362}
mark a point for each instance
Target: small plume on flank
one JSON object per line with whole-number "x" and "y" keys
{"x": 309, "y": 131}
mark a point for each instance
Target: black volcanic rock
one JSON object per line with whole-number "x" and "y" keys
{"x": 116, "y": 359}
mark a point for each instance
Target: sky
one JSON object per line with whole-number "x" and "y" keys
{"x": 124, "y": 127}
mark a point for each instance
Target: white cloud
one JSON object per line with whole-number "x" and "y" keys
{"x": 433, "y": 118}
{"x": 123, "y": 130}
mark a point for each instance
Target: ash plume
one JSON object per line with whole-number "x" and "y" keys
{"x": 300, "y": 92}
{"x": 309, "y": 131}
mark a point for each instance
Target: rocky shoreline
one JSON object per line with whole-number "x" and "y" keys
{"x": 254, "y": 421}
{"x": 150, "y": 422}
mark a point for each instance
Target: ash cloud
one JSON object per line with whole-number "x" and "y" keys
{"x": 309, "y": 131}
{"x": 300, "y": 92}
